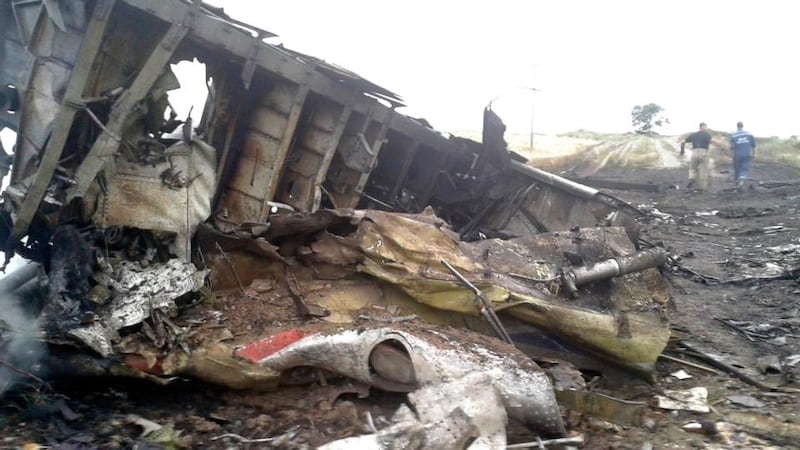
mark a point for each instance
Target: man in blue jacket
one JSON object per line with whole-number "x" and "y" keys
{"x": 743, "y": 146}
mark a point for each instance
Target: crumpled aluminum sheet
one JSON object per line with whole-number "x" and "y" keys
{"x": 137, "y": 292}
{"x": 627, "y": 324}
{"x": 446, "y": 416}
{"x": 694, "y": 400}
{"x": 525, "y": 389}
{"x": 96, "y": 336}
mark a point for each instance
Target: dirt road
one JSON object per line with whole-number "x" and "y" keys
{"x": 668, "y": 153}
{"x": 628, "y": 151}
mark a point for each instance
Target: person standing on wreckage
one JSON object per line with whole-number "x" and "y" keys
{"x": 743, "y": 146}
{"x": 699, "y": 164}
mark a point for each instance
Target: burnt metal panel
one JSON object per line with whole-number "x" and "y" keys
{"x": 557, "y": 210}
{"x": 426, "y": 169}
{"x": 47, "y": 76}
{"x": 545, "y": 207}
{"x": 117, "y": 61}
{"x": 377, "y": 144}
{"x": 402, "y": 175}
{"x": 139, "y": 196}
{"x": 14, "y": 62}
{"x": 269, "y": 136}
{"x": 106, "y": 145}
{"x": 61, "y": 113}
{"x": 315, "y": 143}
{"x": 356, "y": 157}
{"x": 349, "y": 78}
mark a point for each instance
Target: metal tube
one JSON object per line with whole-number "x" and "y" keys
{"x": 599, "y": 271}
{"x": 578, "y": 189}
{"x": 32, "y": 289}
{"x": 19, "y": 277}
{"x": 616, "y": 267}
{"x": 644, "y": 259}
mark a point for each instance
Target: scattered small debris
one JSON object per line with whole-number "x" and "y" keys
{"x": 613, "y": 411}
{"x": 688, "y": 363}
{"x": 694, "y": 399}
{"x": 718, "y": 362}
{"x": 769, "y": 364}
{"x": 539, "y": 443}
{"x": 203, "y": 425}
{"x": 708, "y": 428}
{"x": 771, "y": 428}
{"x": 241, "y": 439}
{"x": 778, "y": 341}
{"x": 681, "y": 375}
{"x": 745, "y": 400}
{"x": 163, "y": 435}
{"x": 706, "y": 213}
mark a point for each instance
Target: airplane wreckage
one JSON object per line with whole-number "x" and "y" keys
{"x": 302, "y": 221}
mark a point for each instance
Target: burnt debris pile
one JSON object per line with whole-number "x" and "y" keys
{"x": 300, "y": 220}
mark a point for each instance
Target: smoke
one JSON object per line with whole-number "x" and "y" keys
{"x": 21, "y": 349}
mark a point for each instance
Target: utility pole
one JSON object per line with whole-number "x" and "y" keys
{"x": 533, "y": 91}
{"x": 532, "y": 120}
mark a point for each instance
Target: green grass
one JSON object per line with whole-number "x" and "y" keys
{"x": 785, "y": 151}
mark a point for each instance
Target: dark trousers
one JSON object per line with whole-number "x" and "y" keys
{"x": 741, "y": 167}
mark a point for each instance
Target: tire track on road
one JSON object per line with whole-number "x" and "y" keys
{"x": 668, "y": 157}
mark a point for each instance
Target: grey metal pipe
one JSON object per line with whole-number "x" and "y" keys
{"x": 614, "y": 267}
{"x": 602, "y": 270}
{"x": 30, "y": 290}
{"x": 19, "y": 277}
{"x": 581, "y": 190}
{"x": 644, "y": 259}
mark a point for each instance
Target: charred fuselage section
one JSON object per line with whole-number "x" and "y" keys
{"x": 98, "y": 143}
{"x": 127, "y": 206}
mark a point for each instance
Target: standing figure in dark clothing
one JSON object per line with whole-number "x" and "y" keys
{"x": 743, "y": 146}
{"x": 699, "y": 165}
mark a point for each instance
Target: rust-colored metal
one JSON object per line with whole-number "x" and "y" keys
{"x": 316, "y": 141}
{"x": 257, "y": 167}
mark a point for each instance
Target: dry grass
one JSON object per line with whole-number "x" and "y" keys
{"x": 549, "y": 146}
{"x": 641, "y": 154}
{"x": 559, "y": 152}
{"x": 784, "y": 151}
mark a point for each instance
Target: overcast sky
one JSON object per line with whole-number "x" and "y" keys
{"x": 712, "y": 61}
